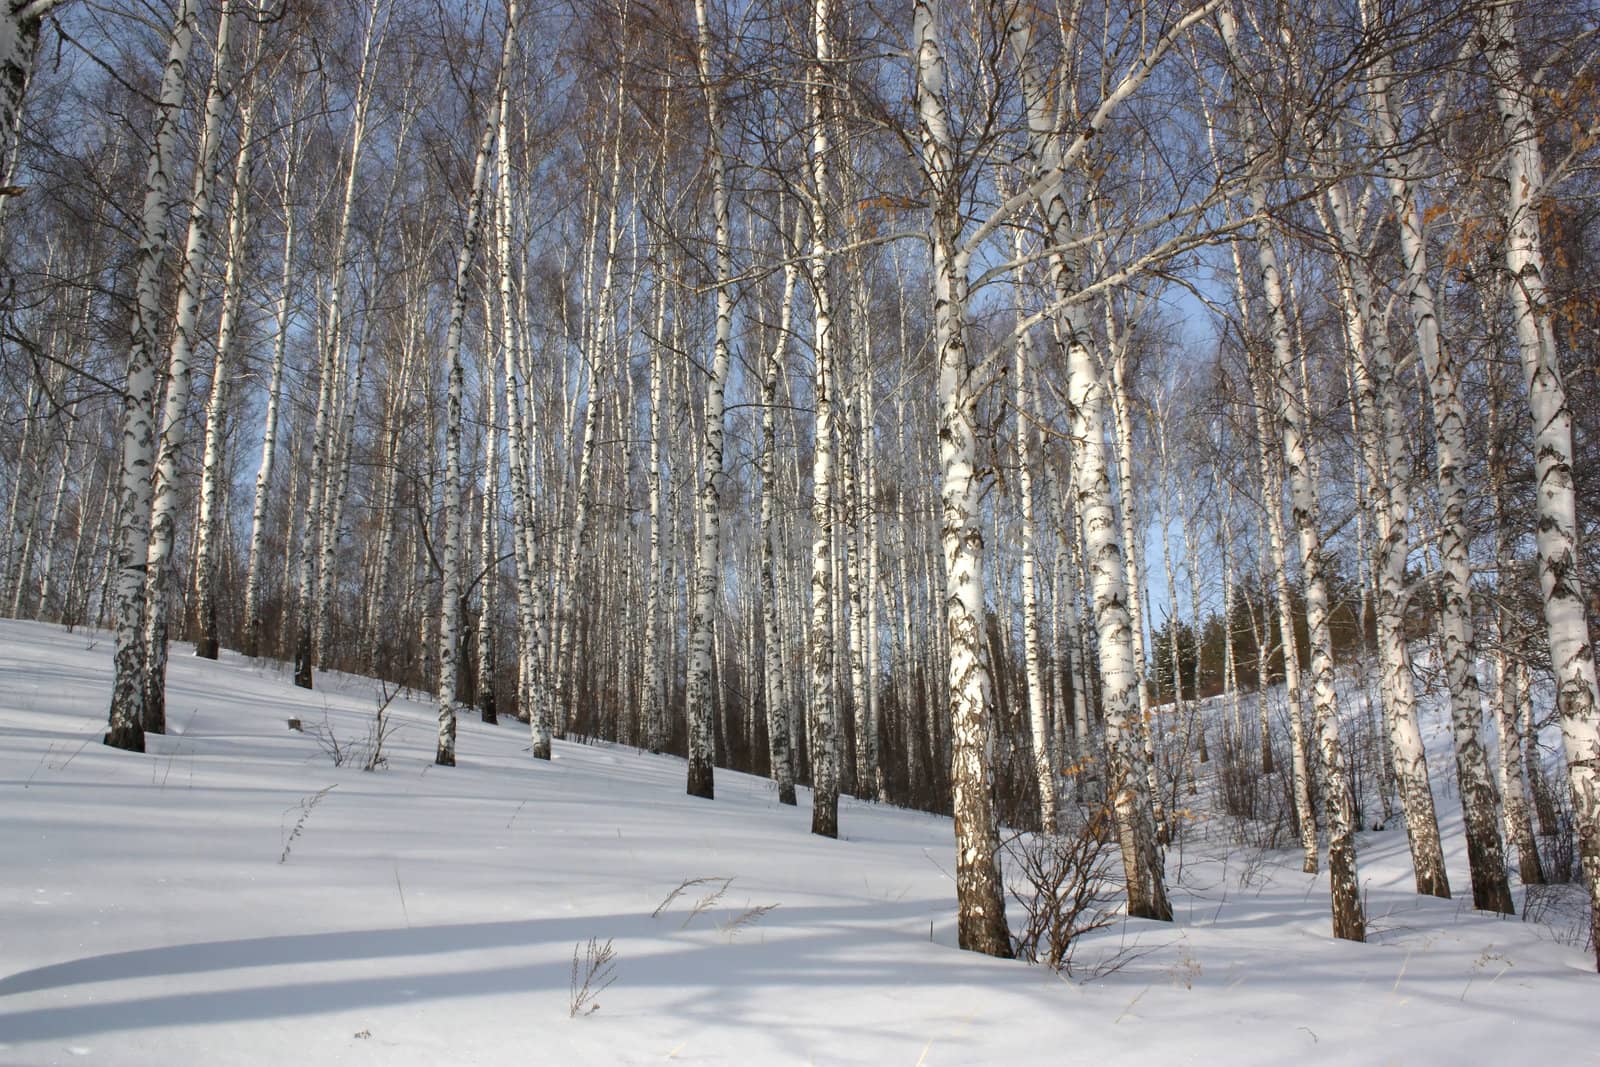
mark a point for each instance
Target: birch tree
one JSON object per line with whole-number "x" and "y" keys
{"x": 708, "y": 541}
{"x": 138, "y": 401}
{"x": 165, "y": 494}
{"x": 982, "y": 922}
{"x": 21, "y": 22}
{"x": 824, "y": 731}
{"x": 451, "y": 555}
{"x": 1349, "y": 922}
{"x": 1485, "y": 853}
{"x": 1560, "y": 581}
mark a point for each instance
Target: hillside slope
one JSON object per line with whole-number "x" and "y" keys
{"x": 234, "y": 897}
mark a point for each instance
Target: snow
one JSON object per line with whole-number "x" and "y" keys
{"x": 233, "y": 897}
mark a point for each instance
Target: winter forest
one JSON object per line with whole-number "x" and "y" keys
{"x": 1100, "y": 420}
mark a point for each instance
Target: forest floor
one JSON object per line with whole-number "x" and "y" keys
{"x": 234, "y": 897}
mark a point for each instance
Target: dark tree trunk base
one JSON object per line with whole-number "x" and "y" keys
{"x": 129, "y": 739}
{"x": 700, "y": 781}
{"x": 206, "y": 647}
{"x": 1490, "y": 890}
{"x": 786, "y": 796}
{"x": 1160, "y": 911}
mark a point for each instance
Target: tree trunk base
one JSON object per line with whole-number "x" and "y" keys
{"x": 127, "y": 738}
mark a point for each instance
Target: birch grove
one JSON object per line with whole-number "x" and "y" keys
{"x": 1153, "y": 422}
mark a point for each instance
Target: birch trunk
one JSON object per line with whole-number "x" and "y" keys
{"x": 1515, "y": 807}
{"x": 206, "y": 641}
{"x": 532, "y": 701}
{"x": 1560, "y": 582}
{"x": 1388, "y": 470}
{"x": 450, "y": 561}
{"x": 1485, "y": 852}
{"x": 305, "y": 652}
{"x": 1127, "y": 782}
{"x": 824, "y": 732}
{"x": 489, "y": 539}
{"x": 708, "y": 542}
{"x": 1133, "y": 555}
{"x": 1044, "y": 758}
{"x": 1349, "y": 923}
{"x": 981, "y": 902}
{"x": 269, "y": 432}
{"x": 138, "y": 403}
{"x": 780, "y": 758}
{"x": 20, "y": 24}
{"x": 1271, "y": 475}
{"x": 654, "y": 679}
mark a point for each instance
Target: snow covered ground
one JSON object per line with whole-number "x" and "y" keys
{"x": 233, "y": 897}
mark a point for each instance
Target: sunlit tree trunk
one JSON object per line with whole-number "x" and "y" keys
{"x": 307, "y": 610}
{"x": 1560, "y": 581}
{"x": 269, "y": 432}
{"x": 1485, "y": 852}
{"x": 979, "y": 898}
{"x": 779, "y": 754}
{"x": 1514, "y": 801}
{"x": 708, "y": 541}
{"x": 450, "y": 556}
{"x": 1349, "y": 922}
{"x": 206, "y": 641}
{"x": 1388, "y": 471}
{"x": 20, "y": 25}
{"x": 824, "y": 724}
{"x": 138, "y": 453}
{"x": 1127, "y": 781}
{"x": 1044, "y": 756}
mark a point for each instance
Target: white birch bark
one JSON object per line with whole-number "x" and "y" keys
{"x": 1271, "y": 475}
{"x": 1571, "y": 654}
{"x": 53, "y": 520}
{"x": 489, "y": 536}
{"x": 870, "y": 548}
{"x": 25, "y": 491}
{"x": 848, "y": 575}
{"x": 824, "y": 727}
{"x": 1485, "y": 852}
{"x": 138, "y": 427}
{"x": 450, "y": 557}
{"x": 1514, "y": 802}
{"x": 206, "y": 641}
{"x": 780, "y": 757}
{"x": 532, "y": 701}
{"x": 1349, "y": 922}
{"x": 654, "y": 675}
{"x": 1133, "y": 556}
{"x": 707, "y": 556}
{"x": 307, "y": 613}
{"x": 269, "y": 433}
{"x": 1044, "y": 756}
{"x": 1127, "y": 782}
{"x": 979, "y": 898}
{"x": 1388, "y": 468}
